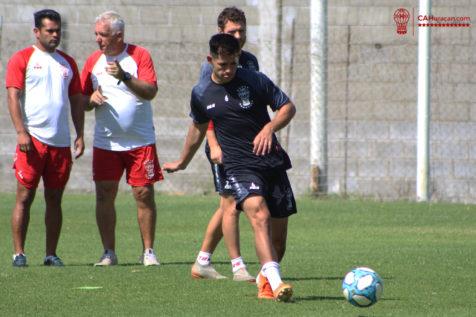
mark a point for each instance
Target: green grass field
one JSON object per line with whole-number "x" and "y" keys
{"x": 425, "y": 254}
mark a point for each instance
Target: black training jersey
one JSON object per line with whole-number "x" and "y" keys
{"x": 247, "y": 60}
{"x": 239, "y": 111}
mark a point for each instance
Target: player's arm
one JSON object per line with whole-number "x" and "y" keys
{"x": 14, "y": 107}
{"x": 195, "y": 135}
{"x": 215, "y": 149}
{"x": 263, "y": 141}
{"x": 140, "y": 88}
{"x": 78, "y": 102}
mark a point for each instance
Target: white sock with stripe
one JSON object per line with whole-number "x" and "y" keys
{"x": 204, "y": 258}
{"x": 237, "y": 264}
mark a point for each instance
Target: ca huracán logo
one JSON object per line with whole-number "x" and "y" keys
{"x": 402, "y": 18}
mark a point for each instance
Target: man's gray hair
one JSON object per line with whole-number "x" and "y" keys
{"x": 114, "y": 19}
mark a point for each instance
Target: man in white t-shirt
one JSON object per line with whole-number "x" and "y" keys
{"x": 43, "y": 85}
{"x": 120, "y": 81}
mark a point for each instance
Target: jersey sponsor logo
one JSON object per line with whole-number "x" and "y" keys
{"x": 37, "y": 66}
{"x": 211, "y": 106}
{"x": 149, "y": 169}
{"x": 226, "y": 98}
{"x": 244, "y": 94}
{"x": 253, "y": 186}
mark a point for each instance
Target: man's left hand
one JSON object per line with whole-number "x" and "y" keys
{"x": 115, "y": 70}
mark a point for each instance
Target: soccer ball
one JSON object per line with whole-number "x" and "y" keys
{"x": 362, "y": 287}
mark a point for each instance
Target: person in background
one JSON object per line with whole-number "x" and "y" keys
{"x": 230, "y": 21}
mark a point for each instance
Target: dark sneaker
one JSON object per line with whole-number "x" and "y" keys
{"x": 53, "y": 260}
{"x": 19, "y": 260}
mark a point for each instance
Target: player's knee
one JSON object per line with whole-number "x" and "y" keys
{"x": 231, "y": 212}
{"x": 140, "y": 193}
{"x": 53, "y": 196}
{"x": 24, "y": 199}
{"x": 260, "y": 218}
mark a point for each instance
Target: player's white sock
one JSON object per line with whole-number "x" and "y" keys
{"x": 204, "y": 258}
{"x": 237, "y": 264}
{"x": 271, "y": 271}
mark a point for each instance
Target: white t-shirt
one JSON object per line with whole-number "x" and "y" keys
{"x": 124, "y": 121}
{"x": 47, "y": 80}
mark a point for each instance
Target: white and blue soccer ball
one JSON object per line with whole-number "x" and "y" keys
{"x": 362, "y": 287}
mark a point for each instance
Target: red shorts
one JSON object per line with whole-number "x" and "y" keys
{"x": 50, "y": 162}
{"x": 141, "y": 165}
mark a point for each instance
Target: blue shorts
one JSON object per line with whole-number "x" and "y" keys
{"x": 272, "y": 184}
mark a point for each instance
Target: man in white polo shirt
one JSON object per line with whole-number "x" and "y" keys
{"x": 120, "y": 81}
{"x": 43, "y": 85}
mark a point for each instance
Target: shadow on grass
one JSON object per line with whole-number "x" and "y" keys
{"x": 228, "y": 262}
{"x": 322, "y": 278}
{"x": 191, "y": 263}
{"x": 92, "y": 264}
{"x": 318, "y": 298}
{"x": 186, "y": 263}
{"x": 332, "y": 298}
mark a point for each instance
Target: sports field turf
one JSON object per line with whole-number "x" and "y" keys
{"x": 425, "y": 254}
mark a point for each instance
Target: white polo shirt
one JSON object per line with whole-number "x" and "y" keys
{"x": 47, "y": 80}
{"x": 124, "y": 121}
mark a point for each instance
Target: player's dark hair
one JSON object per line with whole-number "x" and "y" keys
{"x": 46, "y": 14}
{"x": 232, "y": 14}
{"x": 225, "y": 44}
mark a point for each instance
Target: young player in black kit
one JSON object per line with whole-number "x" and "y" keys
{"x": 255, "y": 164}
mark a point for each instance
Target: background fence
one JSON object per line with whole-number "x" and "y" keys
{"x": 371, "y": 87}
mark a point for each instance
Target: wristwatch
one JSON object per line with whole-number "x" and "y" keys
{"x": 126, "y": 76}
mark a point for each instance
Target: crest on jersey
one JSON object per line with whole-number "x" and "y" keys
{"x": 244, "y": 94}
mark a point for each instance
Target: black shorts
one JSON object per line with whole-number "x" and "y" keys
{"x": 273, "y": 185}
{"x": 222, "y": 186}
